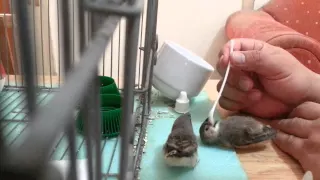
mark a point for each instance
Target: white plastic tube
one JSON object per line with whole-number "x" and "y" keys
{"x": 212, "y": 111}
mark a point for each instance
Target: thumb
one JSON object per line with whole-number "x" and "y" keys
{"x": 267, "y": 61}
{"x": 306, "y": 110}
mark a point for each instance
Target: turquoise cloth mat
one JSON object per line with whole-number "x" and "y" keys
{"x": 214, "y": 163}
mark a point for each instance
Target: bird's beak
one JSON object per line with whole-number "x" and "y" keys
{"x": 213, "y": 124}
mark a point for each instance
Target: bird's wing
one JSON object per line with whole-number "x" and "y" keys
{"x": 248, "y": 131}
{"x": 184, "y": 143}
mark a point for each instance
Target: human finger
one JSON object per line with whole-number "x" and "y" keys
{"x": 240, "y": 96}
{"x": 240, "y": 80}
{"x": 221, "y": 66}
{"x": 237, "y": 46}
{"x": 296, "y": 126}
{"x": 290, "y": 144}
{"x": 224, "y": 55}
{"x": 229, "y": 104}
{"x": 262, "y": 58}
{"x": 244, "y": 97}
{"x": 307, "y": 110}
{"x": 268, "y": 107}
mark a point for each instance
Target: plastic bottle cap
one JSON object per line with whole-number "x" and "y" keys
{"x": 182, "y": 103}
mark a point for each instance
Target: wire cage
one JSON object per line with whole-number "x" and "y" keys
{"x": 63, "y": 58}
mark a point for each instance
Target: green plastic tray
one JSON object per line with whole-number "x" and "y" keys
{"x": 110, "y": 116}
{"x": 108, "y": 86}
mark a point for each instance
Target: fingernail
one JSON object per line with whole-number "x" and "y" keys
{"x": 220, "y": 59}
{"x": 278, "y": 135}
{"x": 244, "y": 84}
{"x": 274, "y": 138}
{"x": 238, "y": 57}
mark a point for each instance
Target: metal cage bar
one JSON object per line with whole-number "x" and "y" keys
{"x": 80, "y": 86}
{"x": 27, "y": 55}
{"x": 67, "y": 57}
{"x": 150, "y": 50}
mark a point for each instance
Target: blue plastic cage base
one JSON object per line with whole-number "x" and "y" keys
{"x": 215, "y": 163}
{"x": 14, "y": 114}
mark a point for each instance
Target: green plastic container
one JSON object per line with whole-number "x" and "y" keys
{"x": 110, "y": 116}
{"x": 108, "y": 86}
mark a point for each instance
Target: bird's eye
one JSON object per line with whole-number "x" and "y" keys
{"x": 207, "y": 128}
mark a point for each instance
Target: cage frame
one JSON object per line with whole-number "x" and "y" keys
{"x": 30, "y": 160}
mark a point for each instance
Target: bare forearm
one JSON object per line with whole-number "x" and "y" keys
{"x": 314, "y": 91}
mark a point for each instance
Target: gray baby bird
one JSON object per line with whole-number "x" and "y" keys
{"x": 236, "y": 131}
{"x": 181, "y": 148}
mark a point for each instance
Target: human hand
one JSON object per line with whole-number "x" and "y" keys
{"x": 264, "y": 80}
{"x": 299, "y": 136}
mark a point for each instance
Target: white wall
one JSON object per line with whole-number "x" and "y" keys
{"x": 194, "y": 24}
{"x": 53, "y": 21}
{"x": 56, "y": 38}
{"x": 40, "y": 24}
